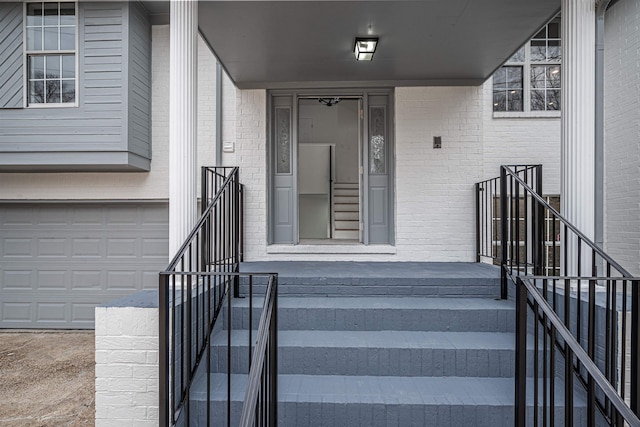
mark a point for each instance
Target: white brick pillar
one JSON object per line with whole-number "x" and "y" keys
{"x": 183, "y": 120}
{"x": 577, "y": 123}
{"x": 127, "y": 373}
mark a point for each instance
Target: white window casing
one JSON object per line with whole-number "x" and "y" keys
{"x": 50, "y": 35}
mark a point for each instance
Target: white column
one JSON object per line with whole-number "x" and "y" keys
{"x": 577, "y": 123}
{"x": 183, "y": 121}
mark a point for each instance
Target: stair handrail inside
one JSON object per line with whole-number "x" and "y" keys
{"x": 533, "y": 243}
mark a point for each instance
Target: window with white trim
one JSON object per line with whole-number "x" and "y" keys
{"x": 530, "y": 80}
{"x": 51, "y": 32}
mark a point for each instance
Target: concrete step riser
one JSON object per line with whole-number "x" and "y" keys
{"x": 380, "y": 319}
{"x": 483, "y": 290}
{"x": 400, "y": 414}
{"x": 379, "y": 361}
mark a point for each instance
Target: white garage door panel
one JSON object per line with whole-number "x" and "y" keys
{"x": 58, "y": 261}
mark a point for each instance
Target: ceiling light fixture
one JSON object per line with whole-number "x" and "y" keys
{"x": 329, "y": 102}
{"x": 364, "y": 48}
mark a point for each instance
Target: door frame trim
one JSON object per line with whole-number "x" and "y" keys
{"x": 362, "y": 94}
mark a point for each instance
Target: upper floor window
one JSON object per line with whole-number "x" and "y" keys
{"x": 51, "y": 29}
{"x": 530, "y": 79}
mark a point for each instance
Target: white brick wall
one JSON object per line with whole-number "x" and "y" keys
{"x": 139, "y": 185}
{"x": 228, "y": 117}
{"x": 250, "y": 155}
{"x": 434, "y": 187}
{"x": 513, "y": 140}
{"x": 622, "y": 134}
{"x": 126, "y": 366}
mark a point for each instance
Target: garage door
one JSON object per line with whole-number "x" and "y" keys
{"x": 58, "y": 261}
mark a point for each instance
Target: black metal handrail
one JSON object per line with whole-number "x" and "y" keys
{"x": 260, "y": 403}
{"x": 580, "y": 369}
{"x": 488, "y": 213}
{"x": 515, "y": 187}
{"x": 211, "y": 296}
{"x": 193, "y": 292}
{"x": 212, "y": 179}
{"x": 530, "y": 239}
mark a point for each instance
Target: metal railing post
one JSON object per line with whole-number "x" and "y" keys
{"x": 273, "y": 411}
{"x": 538, "y": 238}
{"x": 478, "y": 220}
{"x": 241, "y": 242}
{"x": 203, "y": 189}
{"x": 521, "y": 354}
{"x": 236, "y": 232}
{"x": 504, "y": 227}
{"x": 163, "y": 317}
{"x": 635, "y": 341}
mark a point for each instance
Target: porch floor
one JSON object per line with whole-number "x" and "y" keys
{"x": 381, "y": 278}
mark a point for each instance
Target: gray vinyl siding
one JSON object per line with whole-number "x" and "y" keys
{"x": 11, "y": 67}
{"x": 139, "y": 97}
{"x": 101, "y": 133}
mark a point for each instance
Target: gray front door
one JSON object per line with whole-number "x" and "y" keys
{"x": 376, "y": 162}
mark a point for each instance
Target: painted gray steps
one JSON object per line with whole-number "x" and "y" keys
{"x": 382, "y": 314}
{"x": 330, "y": 400}
{"x": 388, "y": 287}
{"x": 385, "y": 353}
{"x": 378, "y": 278}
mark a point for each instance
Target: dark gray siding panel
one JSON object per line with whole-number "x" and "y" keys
{"x": 58, "y": 261}
{"x": 11, "y": 55}
{"x": 139, "y": 99}
{"x": 93, "y": 134}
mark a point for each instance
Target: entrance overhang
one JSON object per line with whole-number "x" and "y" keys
{"x": 287, "y": 44}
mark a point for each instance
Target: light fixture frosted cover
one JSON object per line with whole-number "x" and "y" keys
{"x": 365, "y": 48}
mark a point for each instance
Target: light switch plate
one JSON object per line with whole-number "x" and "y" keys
{"x": 228, "y": 147}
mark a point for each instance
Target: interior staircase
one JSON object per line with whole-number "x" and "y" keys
{"x": 346, "y": 203}
{"x": 381, "y": 348}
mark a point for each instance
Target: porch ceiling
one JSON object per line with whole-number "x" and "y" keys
{"x": 286, "y": 44}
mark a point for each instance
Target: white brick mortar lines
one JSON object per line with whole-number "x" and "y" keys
{"x": 521, "y": 140}
{"x": 622, "y": 134}
{"x": 434, "y": 187}
{"x": 126, "y": 366}
{"x": 139, "y": 185}
{"x": 228, "y": 118}
{"x": 250, "y": 155}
